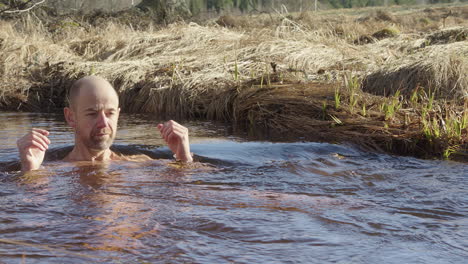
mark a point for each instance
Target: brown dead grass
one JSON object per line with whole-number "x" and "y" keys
{"x": 440, "y": 69}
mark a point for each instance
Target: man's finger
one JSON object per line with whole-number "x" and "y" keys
{"x": 42, "y": 131}
{"x": 181, "y": 132}
{"x": 180, "y": 135}
{"x": 165, "y": 136}
{"x": 178, "y": 130}
{"x": 161, "y": 128}
{"x": 177, "y": 125}
{"x": 181, "y": 129}
{"x": 44, "y": 137}
{"x": 167, "y": 126}
{"x": 38, "y": 139}
{"x": 37, "y": 145}
{"x": 41, "y": 136}
{"x": 166, "y": 131}
{"x": 173, "y": 138}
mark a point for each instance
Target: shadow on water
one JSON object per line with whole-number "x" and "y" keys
{"x": 242, "y": 202}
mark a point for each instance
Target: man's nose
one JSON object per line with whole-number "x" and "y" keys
{"x": 102, "y": 120}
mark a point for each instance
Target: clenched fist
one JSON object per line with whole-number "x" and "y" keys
{"x": 32, "y": 148}
{"x": 177, "y": 139}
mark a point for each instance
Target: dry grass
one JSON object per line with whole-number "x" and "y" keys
{"x": 440, "y": 69}
{"x": 277, "y": 72}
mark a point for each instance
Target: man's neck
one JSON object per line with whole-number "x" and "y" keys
{"x": 82, "y": 153}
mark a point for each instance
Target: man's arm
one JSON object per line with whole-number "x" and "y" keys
{"x": 177, "y": 139}
{"x": 32, "y": 148}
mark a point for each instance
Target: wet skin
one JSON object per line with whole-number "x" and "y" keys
{"x": 93, "y": 114}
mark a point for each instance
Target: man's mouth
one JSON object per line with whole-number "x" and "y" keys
{"x": 103, "y": 133}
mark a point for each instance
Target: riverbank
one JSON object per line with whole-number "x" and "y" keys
{"x": 392, "y": 80}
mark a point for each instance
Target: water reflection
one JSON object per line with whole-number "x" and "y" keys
{"x": 117, "y": 220}
{"x": 245, "y": 202}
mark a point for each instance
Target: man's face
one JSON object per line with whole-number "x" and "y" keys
{"x": 96, "y": 112}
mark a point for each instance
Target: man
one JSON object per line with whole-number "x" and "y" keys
{"x": 93, "y": 113}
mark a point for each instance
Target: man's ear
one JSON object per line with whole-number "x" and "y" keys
{"x": 69, "y": 116}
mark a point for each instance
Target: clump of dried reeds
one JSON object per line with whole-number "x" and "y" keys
{"x": 437, "y": 69}
{"x": 378, "y": 15}
{"x": 448, "y": 35}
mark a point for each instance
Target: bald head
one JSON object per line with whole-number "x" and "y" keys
{"x": 93, "y": 84}
{"x": 93, "y": 113}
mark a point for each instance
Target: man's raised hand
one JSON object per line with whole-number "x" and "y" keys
{"x": 32, "y": 148}
{"x": 177, "y": 139}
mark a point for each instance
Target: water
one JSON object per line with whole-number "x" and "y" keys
{"x": 246, "y": 202}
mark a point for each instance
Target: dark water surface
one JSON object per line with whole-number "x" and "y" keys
{"x": 249, "y": 202}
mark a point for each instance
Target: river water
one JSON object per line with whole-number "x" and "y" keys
{"x": 242, "y": 202}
